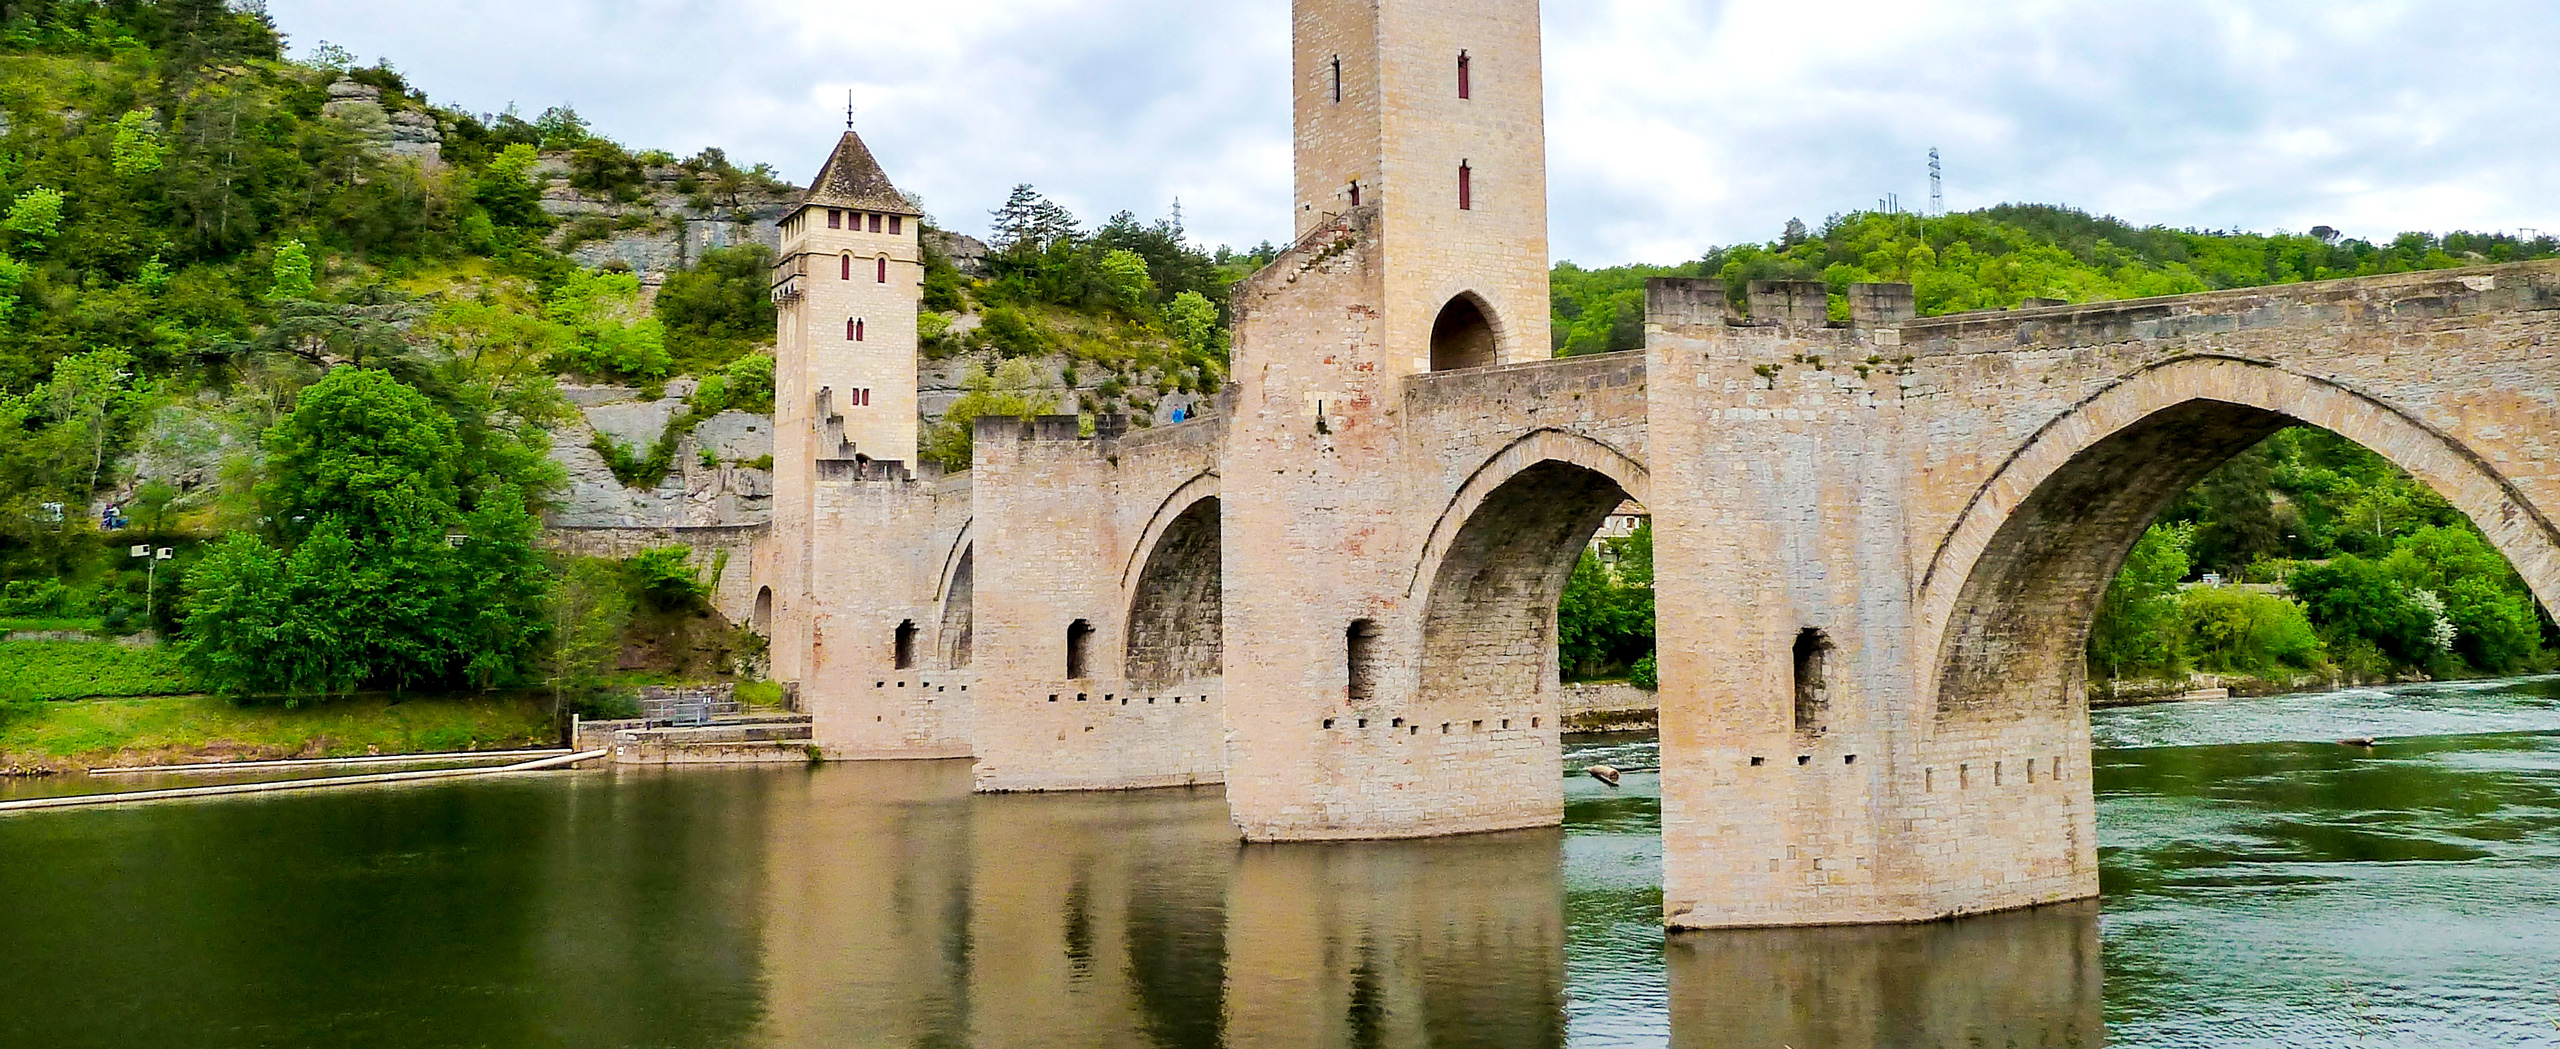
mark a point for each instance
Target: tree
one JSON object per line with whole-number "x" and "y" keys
{"x": 1015, "y": 389}
{"x": 1124, "y": 277}
{"x": 384, "y": 576}
{"x": 1193, "y": 321}
{"x": 36, "y": 216}
{"x": 721, "y": 307}
{"x": 87, "y": 394}
{"x": 2136, "y": 630}
{"x": 1031, "y": 223}
{"x": 292, "y": 272}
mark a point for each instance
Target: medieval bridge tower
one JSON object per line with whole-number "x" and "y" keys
{"x": 1880, "y": 540}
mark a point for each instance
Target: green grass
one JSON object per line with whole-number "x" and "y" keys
{"x": 49, "y": 670}
{"x": 86, "y": 626}
{"x": 102, "y": 732}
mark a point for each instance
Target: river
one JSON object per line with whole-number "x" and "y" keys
{"x": 2264, "y": 886}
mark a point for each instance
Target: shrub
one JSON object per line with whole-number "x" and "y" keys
{"x": 2246, "y": 631}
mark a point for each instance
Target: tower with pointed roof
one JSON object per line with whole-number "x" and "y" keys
{"x": 846, "y": 294}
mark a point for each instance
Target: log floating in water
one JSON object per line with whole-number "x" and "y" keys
{"x": 1604, "y": 774}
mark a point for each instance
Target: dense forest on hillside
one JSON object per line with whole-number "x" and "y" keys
{"x": 211, "y": 253}
{"x": 2334, "y": 562}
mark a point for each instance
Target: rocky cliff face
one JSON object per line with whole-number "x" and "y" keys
{"x": 722, "y": 473}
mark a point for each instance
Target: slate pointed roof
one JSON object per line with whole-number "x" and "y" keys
{"x": 853, "y": 179}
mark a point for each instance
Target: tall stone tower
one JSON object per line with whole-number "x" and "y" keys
{"x": 848, "y": 290}
{"x": 846, "y": 294}
{"x": 1434, "y": 111}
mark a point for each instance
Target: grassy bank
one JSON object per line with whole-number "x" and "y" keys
{"x": 44, "y": 670}
{"x": 101, "y": 732}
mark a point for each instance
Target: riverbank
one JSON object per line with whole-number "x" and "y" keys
{"x": 101, "y": 733}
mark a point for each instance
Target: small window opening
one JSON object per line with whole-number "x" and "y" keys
{"x": 875, "y": 223}
{"x": 1355, "y": 193}
{"x": 1328, "y": 722}
{"x": 906, "y": 647}
{"x": 853, "y": 330}
{"x": 835, "y": 219}
{"x": 1757, "y": 762}
{"x": 1337, "y": 79}
{"x": 1079, "y": 645}
{"x": 897, "y": 224}
{"x": 1466, "y": 76}
{"x": 1466, "y": 186}
{"x": 1361, "y": 643}
{"x": 846, "y": 270}
{"x": 884, "y": 269}
{"x": 1813, "y": 692}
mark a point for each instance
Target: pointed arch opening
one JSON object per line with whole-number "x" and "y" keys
{"x": 1177, "y": 629}
{"x": 2016, "y": 626}
{"x": 1464, "y": 336}
{"x": 959, "y": 612}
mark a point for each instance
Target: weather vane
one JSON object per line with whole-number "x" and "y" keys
{"x": 848, "y": 109}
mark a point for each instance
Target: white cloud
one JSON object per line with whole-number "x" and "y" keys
{"x": 1674, "y": 125}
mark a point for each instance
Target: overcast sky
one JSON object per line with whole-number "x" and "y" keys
{"x": 1673, "y": 125}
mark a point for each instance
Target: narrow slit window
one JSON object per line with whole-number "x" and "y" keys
{"x": 846, "y": 267}
{"x": 853, "y": 330}
{"x": 1466, "y": 76}
{"x": 1361, "y": 651}
{"x": 1355, "y": 193}
{"x": 1337, "y": 79}
{"x": 904, "y": 646}
{"x": 1079, "y": 645}
{"x": 884, "y": 269}
{"x": 1466, "y": 186}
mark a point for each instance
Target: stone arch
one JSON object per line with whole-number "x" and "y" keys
{"x": 1176, "y": 629}
{"x": 1201, "y": 486}
{"x": 1489, "y": 617}
{"x": 1529, "y": 450}
{"x": 2013, "y": 586}
{"x": 761, "y": 620}
{"x": 1466, "y": 334}
{"x": 956, "y": 636}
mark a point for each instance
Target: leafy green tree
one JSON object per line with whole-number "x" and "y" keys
{"x": 2351, "y": 597}
{"x": 292, "y": 272}
{"x": 1605, "y": 619}
{"x": 608, "y": 332}
{"x": 2138, "y": 623}
{"x": 1193, "y": 320}
{"x": 384, "y": 576}
{"x": 2233, "y": 630}
{"x": 507, "y": 192}
{"x": 36, "y": 216}
{"x": 1015, "y": 390}
{"x": 1125, "y": 278}
{"x": 720, "y": 308}
{"x": 593, "y": 607}
{"x": 138, "y": 150}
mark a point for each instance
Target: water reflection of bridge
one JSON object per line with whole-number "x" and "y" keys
{"x": 896, "y": 909}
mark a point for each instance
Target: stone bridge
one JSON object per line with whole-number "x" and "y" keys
{"x": 1880, "y": 545}
{"x": 1879, "y": 541}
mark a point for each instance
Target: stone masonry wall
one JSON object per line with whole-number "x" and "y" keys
{"x": 1065, "y": 530}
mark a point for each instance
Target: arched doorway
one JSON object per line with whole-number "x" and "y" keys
{"x": 1176, "y": 622}
{"x": 762, "y": 619}
{"x": 1464, "y": 336}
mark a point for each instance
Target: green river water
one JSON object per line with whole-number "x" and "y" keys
{"x": 2264, "y": 887}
